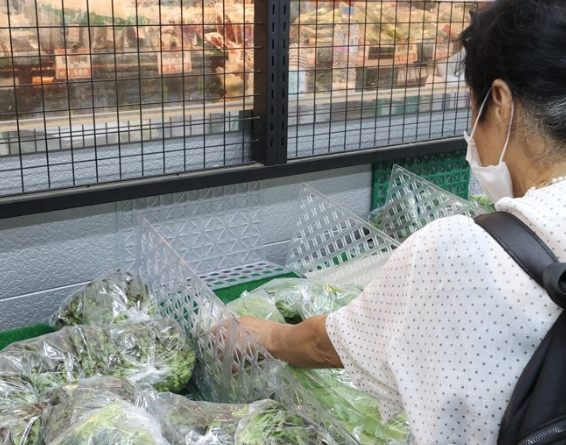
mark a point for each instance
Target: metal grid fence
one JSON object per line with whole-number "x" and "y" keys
{"x": 366, "y": 74}
{"x": 98, "y": 91}
{"x": 103, "y": 90}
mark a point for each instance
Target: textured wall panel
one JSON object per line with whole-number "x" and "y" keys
{"x": 54, "y": 250}
{"x": 33, "y": 308}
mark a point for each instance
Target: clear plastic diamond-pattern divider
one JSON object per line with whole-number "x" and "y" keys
{"x": 331, "y": 243}
{"x": 413, "y": 202}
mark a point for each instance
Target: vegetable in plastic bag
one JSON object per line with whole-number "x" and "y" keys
{"x": 153, "y": 351}
{"x": 270, "y": 423}
{"x": 15, "y": 390}
{"x": 298, "y": 298}
{"x": 61, "y": 357}
{"x": 156, "y": 352}
{"x": 70, "y": 403}
{"x": 117, "y": 423}
{"x": 116, "y": 298}
{"x": 187, "y": 422}
{"x": 356, "y": 411}
{"x": 21, "y": 424}
{"x": 257, "y": 305}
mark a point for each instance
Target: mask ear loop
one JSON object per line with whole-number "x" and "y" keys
{"x": 508, "y": 132}
{"x": 480, "y": 112}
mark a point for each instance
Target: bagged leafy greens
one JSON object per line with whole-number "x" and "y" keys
{"x": 357, "y": 412}
{"x": 15, "y": 390}
{"x": 69, "y": 404}
{"x": 187, "y": 422}
{"x": 298, "y": 298}
{"x": 117, "y": 423}
{"x": 114, "y": 299}
{"x": 257, "y": 305}
{"x": 269, "y": 423}
{"x": 153, "y": 351}
{"x": 61, "y": 357}
{"x": 21, "y": 424}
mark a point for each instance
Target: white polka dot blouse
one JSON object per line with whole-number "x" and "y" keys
{"x": 450, "y": 324}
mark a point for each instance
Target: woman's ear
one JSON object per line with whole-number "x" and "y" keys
{"x": 501, "y": 103}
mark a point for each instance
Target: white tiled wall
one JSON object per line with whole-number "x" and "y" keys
{"x": 44, "y": 257}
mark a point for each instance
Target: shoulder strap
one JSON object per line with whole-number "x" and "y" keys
{"x": 528, "y": 250}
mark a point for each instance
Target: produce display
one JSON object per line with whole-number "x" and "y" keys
{"x": 117, "y": 423}
{"x": 256, "y": 305}
{"x": 106, "y": 376}
{"x": 356, "y": 411}
{"x": 112, "y": 299}
{"x": 298, "y": 299}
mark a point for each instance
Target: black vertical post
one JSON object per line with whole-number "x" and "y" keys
{"x": 271, "y": 81}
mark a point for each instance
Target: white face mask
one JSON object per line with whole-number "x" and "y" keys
{"x": 495, "y": 180}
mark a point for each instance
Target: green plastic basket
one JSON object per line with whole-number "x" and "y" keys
{"x": 447, "y": 170}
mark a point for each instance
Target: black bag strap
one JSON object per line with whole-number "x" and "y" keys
{"x": 529, "y": 251}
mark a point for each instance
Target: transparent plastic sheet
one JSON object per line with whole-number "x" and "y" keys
{"x": 271, "y": 423}
{"x": 152, "y": 351}
{"x": 257, "y": 305}
{"x": 156, "y": 352}
{"x": 357, "y": 412}
{"x": 113, "y": 298}
{"x": 413, "y": 202}
{"x": 298, "y": 298}
{"x": 188, "y": 422}
{"x": 14, "y": 390}
{"x": 70, "y": 404}
{"x": 21, "y": 424}
{"x": 61, "y": 357}
{"x": 116, "y": 423}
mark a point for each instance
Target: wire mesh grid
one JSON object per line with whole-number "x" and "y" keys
{"x": 365, "y": 74}
{"x": 333, "y": 245}
{"x": 413, "y": 202}
{"x": 93, "y": 91}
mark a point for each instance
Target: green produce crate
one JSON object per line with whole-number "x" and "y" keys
{"x": 449, "y": 171}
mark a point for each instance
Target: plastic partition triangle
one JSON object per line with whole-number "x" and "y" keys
{"x": 231, "y": 367}
{"x": 333, "y": 245}
{"x": 413, "y": 202}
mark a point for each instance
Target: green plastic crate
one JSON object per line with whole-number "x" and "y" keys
{"x": 447, "y": 170}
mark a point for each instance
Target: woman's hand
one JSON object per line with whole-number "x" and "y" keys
{"x": 304, "y": 345}
{"x": 260, "y": 330}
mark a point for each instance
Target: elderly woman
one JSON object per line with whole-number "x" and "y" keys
{"x": 452, "y": 320}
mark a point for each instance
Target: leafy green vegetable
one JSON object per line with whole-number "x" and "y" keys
{"x": 15, "y": 390}
{"x": 356, "y": 411}
{"x": 258, "y": 306}
{"x": 298, "y": 298}
{"x": 20, "y": 425}
{"x": 118, "y": 423}
{"x": 155, "y": 351}
{"x": 101, "y": 303}
{"x": 272, "y": 424}
{"x": 70, "y": 403}
{"x": 186, "y": 422}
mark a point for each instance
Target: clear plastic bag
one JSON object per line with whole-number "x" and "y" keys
{"x": 69, "y": 404}
{"x": 152, "y": 351}
{"x": 61, "y": 357}
{"x": 21, "y": 424}
{"x": 298, "y": 298}
{"x": 357, "y": 412}
{"x": 117, "y": 423}
{"x": 258, "y": 305}
{"x": 156, "y": 352}
{"x": 116, "y": 298}
{"x": 14, "y": 390}
{"x": 270, "y": 423}
{"x": 187, "y": 422}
